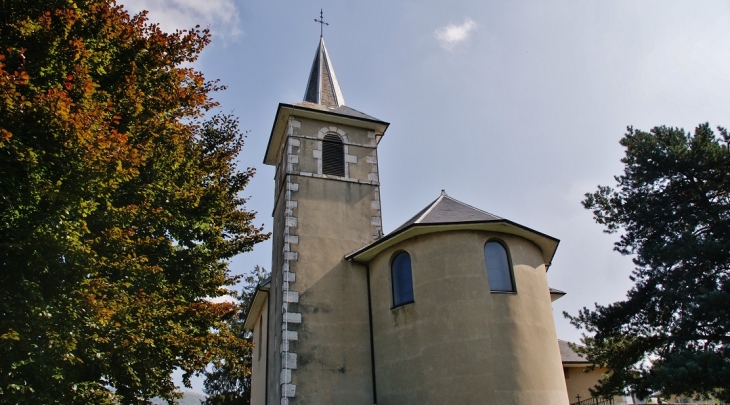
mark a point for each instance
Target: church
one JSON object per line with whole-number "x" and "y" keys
{"x": 452, "y": 307}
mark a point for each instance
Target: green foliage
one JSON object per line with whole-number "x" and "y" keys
{"x": 672, "y": 205}
{"x": 119, "y": 205}
{"x": 229, "y": 382}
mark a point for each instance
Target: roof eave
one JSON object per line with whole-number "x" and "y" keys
{"x": 554, "y": 296}
{"x": 284, "y": 111}
{"x": 257, "y": 302}
{"x": 547, "y": 244}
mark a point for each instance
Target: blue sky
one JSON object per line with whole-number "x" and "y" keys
{"x": 515, "y": 107}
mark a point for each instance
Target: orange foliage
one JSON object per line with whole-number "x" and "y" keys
{"x": 118, "y": 205}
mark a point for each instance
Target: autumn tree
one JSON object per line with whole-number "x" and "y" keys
{"x": 229, "y": 380}
{"x": 120, "y": 203}
{"x": 672, "y": 209}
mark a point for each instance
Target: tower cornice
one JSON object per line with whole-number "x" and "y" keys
{"x": 342, "y": 116}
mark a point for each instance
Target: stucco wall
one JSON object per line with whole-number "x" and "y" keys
{"x": 275, "y": 302}
{"x": 579, "y": 380}
{"x": 259, "y": 355}
{"x": 359, "y": 146}
{"x": 459, "y": 343}
{"x": 320, "y": 352}
{"x": 333, "y": 350}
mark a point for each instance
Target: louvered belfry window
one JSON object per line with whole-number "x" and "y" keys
{"x": 333, "y": 156}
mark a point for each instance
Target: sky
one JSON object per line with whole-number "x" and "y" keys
{"x": 515, "y": 107}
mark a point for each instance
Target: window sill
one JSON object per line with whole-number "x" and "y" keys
{"x": 503, "y": 292}
{"x": 403, "y": 304}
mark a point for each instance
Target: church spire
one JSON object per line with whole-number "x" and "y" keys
{"x": 323, "y": 87}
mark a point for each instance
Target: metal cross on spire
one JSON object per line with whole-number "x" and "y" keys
{"x": 321, "y": 22}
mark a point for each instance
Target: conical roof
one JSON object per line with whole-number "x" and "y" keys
{"x": 448, "y": 214}
{"x": 322, "y": 87}
{"x": 448, "y": 210}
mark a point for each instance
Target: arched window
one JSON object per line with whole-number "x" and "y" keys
{"x": 333, "y": 156}
{"x": 498, "y": 267}
{"x": 402, "y": 278}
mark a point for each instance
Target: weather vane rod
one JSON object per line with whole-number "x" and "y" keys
{"x": 321, "y": 22}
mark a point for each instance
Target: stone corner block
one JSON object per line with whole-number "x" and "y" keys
{"x": 293, "y": 317}
{"x": 288, "y": 391}
{"x": 285, "y": 376}
{"x": 289, "y": 360}
{"x": 291, "y": 296}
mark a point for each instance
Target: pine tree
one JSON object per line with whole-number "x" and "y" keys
{"x": 672, "y": 206}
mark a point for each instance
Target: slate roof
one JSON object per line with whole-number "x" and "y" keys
{"x": 446, "y": 213}
{"x": 264, "y": 282}
{"x": 341, "y": 110}
{"x": 448, "y": 210}
{"x": 322, "y": 86}
{"x": 568, "y": 355}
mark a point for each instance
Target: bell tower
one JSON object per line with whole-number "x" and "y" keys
{"x": 327, "y": 204}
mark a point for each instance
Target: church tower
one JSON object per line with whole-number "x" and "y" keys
{"x": 327, "y": 204}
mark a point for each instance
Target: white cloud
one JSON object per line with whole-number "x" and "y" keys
{"x": 221, "y": 16}
{"x": 451, "y": 35}
{"x": 224, "y": 298}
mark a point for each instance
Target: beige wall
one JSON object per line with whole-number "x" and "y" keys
{"x": 333, "y": 350}
{"x": 459, "y": 343}
{"x": 317, "y": 222}
{"x": 259, "y": 355}
{"x": 359, "y": 144}
{"x": 275, "y": 305}
{"x": 579, "y": 380}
